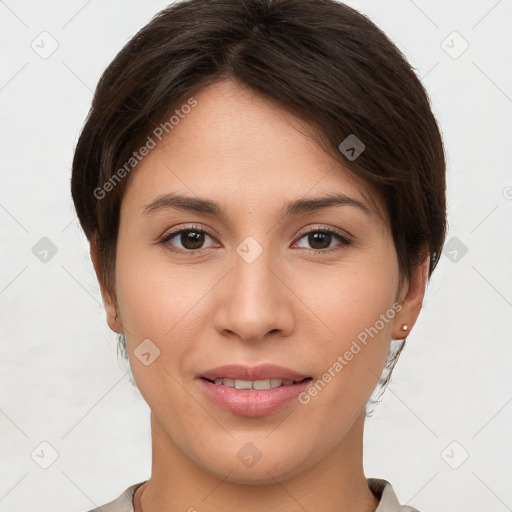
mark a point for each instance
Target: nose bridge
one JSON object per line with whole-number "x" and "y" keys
{"x": 254, "y": 302}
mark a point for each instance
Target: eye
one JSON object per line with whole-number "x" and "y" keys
{"x": 324, "y": 239}
{"x": 189, "y": 239}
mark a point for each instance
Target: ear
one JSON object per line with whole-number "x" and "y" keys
{"x": 113, "y": 320}
{"x": 411, "y": 300}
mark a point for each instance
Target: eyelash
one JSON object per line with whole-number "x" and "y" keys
{"x": 343, "y": 239}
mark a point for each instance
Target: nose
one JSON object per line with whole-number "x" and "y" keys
{"x": 254, "y": 300}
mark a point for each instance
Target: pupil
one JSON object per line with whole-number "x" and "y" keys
{"x": 192, "y": 239}
{"x": 315, "y": 238}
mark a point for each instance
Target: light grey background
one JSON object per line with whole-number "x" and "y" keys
{"x": 61, "y": 382}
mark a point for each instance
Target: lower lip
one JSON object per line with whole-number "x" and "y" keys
{"x": 246, "y": 402}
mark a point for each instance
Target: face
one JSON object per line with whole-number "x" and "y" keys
{"x": 254, "y": 283}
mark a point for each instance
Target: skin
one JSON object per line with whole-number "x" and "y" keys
{"x": 294, "y": 305}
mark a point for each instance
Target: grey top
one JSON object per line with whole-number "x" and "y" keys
{"x": 381, "y": 488}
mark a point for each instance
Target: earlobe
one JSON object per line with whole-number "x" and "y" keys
{"x": 113, "y": 320}
{"x": 411, "y": 300}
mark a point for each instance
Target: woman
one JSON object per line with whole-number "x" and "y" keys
{"x": 263, "y": 187}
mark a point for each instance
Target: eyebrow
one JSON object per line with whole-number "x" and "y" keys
{"x": 207, "y": 206}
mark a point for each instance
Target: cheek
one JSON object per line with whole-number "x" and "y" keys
{"x": 349, "y": 299}
{"x": 164, "y": 303}
{"x": 357, "y": 307}
{"x": 155, "y": 304}
{"x": 153, "y": 295}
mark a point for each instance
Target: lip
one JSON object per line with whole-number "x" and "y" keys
{"x": 260, "y": 372}
{"x": 252, "y": 403}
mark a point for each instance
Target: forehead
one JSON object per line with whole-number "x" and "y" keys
{"x": 236, "y": 144}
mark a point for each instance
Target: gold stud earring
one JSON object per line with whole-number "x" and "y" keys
{"x": 405, "y": 327}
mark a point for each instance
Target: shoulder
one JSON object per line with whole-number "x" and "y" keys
{"x": 123, "y": 503}
{"x": 382, "y": 489}
{"x": 388, "y": 499}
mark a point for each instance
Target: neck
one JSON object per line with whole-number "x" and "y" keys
{"x": 335, "y": 482}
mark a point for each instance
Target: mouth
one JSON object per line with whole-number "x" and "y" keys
{"x": 256, "y": 385}
{"x": 253, "y": 398}
{"x": 252, "y": 391}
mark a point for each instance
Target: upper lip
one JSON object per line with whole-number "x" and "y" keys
{"x": 260, "y": 372}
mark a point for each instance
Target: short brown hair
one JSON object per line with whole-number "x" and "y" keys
{"x": 319, "y": 59}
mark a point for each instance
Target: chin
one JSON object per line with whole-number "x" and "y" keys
{"x": 262, "y": 469}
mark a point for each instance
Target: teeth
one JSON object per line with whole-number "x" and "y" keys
{"x": 254, "y": 384}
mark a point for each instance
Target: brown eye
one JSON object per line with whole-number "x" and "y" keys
{"x": 192, "y": 239}
{"x": 186, "y": 240}
{"x": 321, "y": 240}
